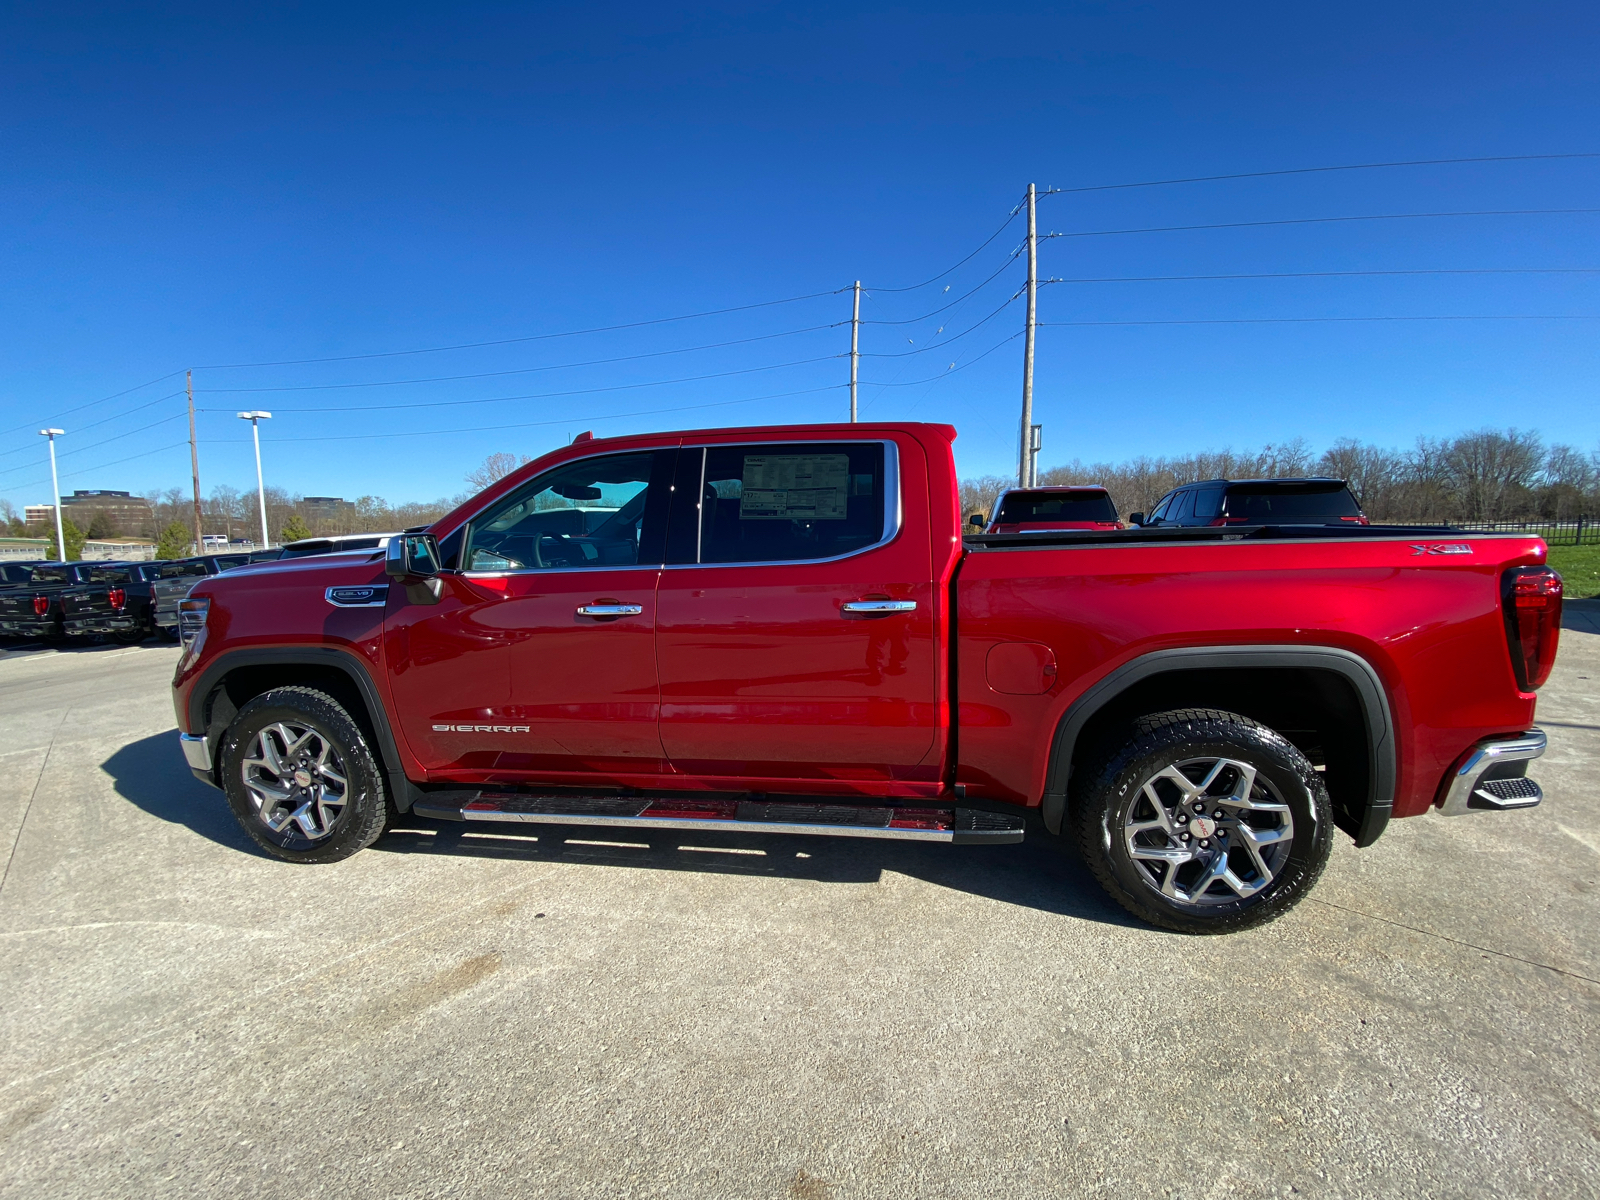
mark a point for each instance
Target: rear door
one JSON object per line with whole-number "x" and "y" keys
{"x": 796, "y": 620}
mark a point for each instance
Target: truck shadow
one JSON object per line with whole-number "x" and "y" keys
{"x": 1036, "y": 874}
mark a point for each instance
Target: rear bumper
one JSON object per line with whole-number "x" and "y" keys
{"x": 87, "y": 626}
{"x": 33, "y": 627}
{"x": 1493, "y": 777}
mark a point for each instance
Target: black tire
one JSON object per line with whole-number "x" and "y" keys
{"x": 361, "y": 811}
{"x": 1113, "y": 819}
{"x": 129, "y": 637}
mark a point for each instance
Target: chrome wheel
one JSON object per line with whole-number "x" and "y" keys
{"x": 1208, "y": 831}
{"x": 296, "y": 780}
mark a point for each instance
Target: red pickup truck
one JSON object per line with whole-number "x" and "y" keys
{"x": 783, "y": 630}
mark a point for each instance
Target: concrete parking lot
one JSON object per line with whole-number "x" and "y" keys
{"x": 580, "y": 1014}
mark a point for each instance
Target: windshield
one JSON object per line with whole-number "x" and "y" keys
{"x": 1090, "y": 505}
{"x": 1289, "y": 503}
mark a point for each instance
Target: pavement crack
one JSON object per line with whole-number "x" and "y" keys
{"x": 1445, "y": 937}
{"x": 28, "y": 807}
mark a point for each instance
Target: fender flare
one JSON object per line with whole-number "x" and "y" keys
{"x": 1370, "y": 693}
{"x": 400, "y": 787}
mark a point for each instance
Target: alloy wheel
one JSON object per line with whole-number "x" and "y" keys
{"x": 296, "y": 779}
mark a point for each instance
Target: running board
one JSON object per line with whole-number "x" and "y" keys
{"x": 960, "y": 826}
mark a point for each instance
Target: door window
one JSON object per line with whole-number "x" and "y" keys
{"x": 795, "y": 502}
{"x": 607, "y": 511}
{"x": 1182, "y": 510}
{"x": 1160, "y": 513}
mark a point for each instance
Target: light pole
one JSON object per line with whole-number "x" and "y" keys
{"x": 55, "y": 490}
{"x": 261, "y": 490}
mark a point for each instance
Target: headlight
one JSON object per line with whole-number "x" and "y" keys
{"x": 192, "y": 620}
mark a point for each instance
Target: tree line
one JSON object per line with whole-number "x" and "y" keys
{"x": 1486, "y": 475}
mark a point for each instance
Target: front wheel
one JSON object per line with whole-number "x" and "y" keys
{"x": 1204, "y": 822}
{"x": 300, "y": 777}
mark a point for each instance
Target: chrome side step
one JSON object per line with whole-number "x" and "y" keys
{"x": 959, "y": 826}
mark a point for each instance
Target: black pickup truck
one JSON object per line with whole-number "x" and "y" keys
{"x": 115, "y": 602}
{"x": 33, "y": 609}
{"x": 15, "y": 574}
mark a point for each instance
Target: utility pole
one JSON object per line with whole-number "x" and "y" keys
{"x": 855, "y": 350}
{"x": 1035, "y": 444}
{"x": 194, "y": 463}
{"x": 1025, "y": 441}
{"x": 55, "y": 497}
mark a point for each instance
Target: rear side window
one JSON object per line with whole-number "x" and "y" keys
{"x": 233, "y": 560}
{"x": 55, "y": 575}
{"x": 1019, "y": 507}
{"x": 1290, "y": 503}
{"x": 110, "y": 575}
{"x": 766, "y": 502}
{"x": 1207, "y": 503}
{"x": 607, "y": 511}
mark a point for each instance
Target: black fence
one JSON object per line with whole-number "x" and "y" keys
{"x": 1585, "y": 531}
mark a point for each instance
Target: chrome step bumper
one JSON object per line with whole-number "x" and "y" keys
{"x": 959, "y": 826}
{"x": 1493, "y": 778}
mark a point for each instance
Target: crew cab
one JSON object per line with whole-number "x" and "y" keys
{"x": 1021, "y": 510}
{"x": 113, "y": 602}
{"x": 33, "y": 609}
{"x": 782, "y": 630}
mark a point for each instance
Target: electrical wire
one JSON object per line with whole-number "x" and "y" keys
{"x": 102, "y": 400}
{"x": 568, "y": 420}
{"x": 1333, "y": 274}
{"x": 101, "y": 466}
{"x": 103, "y": 421}
{"x": 959, "y": 299}
{"x": 1417, "y": 162}
{"x": 918, "y": 286}
{"x": 945, "y": 374}
{"x": 952, "y": 338}
{"x": 538, "y": 337}
{"x": 595, "y": 362}
{"x": 1507, "y": 212}
{"x": 621, "y": 387}
{"x": 1319, "y": 320}
{"x": 103, "y": 442}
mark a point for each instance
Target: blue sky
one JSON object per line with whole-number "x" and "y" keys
{"x": 195, "y": 187}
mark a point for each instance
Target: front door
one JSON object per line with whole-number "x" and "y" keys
{"x": 539, "y": 661}
{"x": 795, "y": 628}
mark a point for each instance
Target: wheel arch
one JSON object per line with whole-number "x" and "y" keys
{"x": 236, "y": 676}
{"x": 1336, "y": 690}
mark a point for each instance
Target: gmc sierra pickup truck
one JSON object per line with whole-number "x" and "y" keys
{"x": 783, "y": 630}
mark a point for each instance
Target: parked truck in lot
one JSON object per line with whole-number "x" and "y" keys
{"x": 783, "y": 630}
{"x": 114, "y": 601}
{"x": 33, "y": 609}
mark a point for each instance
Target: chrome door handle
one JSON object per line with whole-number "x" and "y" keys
{"x": 610, "y": 610}
{"x": 878, "y": 606}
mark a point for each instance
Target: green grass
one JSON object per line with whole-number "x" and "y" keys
{"x": 1580, "y": 569}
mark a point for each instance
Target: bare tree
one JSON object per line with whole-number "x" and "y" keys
{"x": 979, "y": 495}
{"x": 496, "y": 467}
{"x": 1493, "y": 472}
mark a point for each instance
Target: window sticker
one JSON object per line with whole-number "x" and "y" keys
{"x": 795, "y": 487}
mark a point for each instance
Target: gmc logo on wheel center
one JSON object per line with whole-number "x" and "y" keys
{"x": 481, "y": 728}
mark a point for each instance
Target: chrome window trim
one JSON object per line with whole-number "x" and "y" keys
{"x": 892, "y": 520}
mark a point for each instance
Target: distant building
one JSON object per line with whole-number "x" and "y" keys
{"x": 39, "y": 514}
{"x": 118, "y": 550}
{"x": 124, "y": 509}
{"x": 325, "y": 510}
{"x": 26, "y": 549}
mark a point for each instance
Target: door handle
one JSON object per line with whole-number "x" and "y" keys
{"x": 610, "y": 610}
{"x": 878, "y": 606}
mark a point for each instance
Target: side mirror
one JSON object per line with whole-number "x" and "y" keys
{"x": 977, "y": 519}
{"x": 412, "y": 556}
{"x": 1136, "y": 518}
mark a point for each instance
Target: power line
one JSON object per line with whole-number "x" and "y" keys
{"x": 1321, "y": 320}
{"x": 1417, "y": 162}
{"x": 102, "y": 400}
{"x": 1334, "y": 274}
{"x": 539, "y": 337}
{"x": 958, "y": 300}
{"x": 594, "y": 362}
{"x": 104, "y": 421}
{"x": 99, "y": 466}
{"x": 356, "y": 437}
{"x": 949, "y": 371}
{"x": 621, "y": 387}
{"x": 918, "y": 286}
{"x": 103, "y": 442}
{"x": 952, "y": 338}
{"x": 1507, "y": 212}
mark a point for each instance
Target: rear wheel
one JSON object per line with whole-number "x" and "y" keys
{"x": 301, "y": 778}
{"x": 1203, "y": 822}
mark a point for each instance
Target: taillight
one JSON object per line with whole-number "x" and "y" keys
{"x": 118, "y": 598}
{"x": 41, "y": 605}
{"x": 1531, "y": 598}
